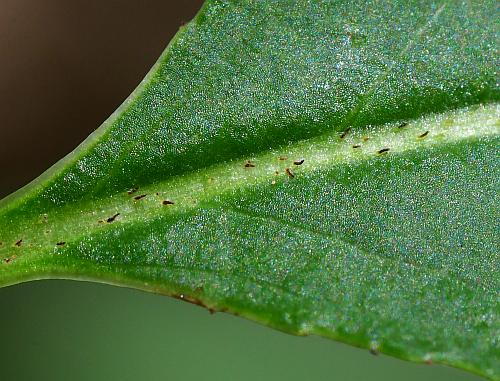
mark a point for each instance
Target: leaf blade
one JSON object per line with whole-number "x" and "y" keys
{"x": 233, "y": 236}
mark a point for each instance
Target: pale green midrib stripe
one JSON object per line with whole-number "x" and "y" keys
{"x": 189, "y": 191}
{"x": 40, "y": 184}
{"x": 335, "y": 147}
{"x": 349, "y": 118}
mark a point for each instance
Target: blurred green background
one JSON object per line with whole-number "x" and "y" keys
{"x": 65, "y": 66}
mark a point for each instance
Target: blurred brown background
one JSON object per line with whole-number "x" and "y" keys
{"x": 64, "y": 68}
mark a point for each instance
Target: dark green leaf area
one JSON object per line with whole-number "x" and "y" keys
{"x": 246, "y": 76}
{"x": 381, "y": 253}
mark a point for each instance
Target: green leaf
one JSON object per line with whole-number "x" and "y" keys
{"x": 385, "y": 236}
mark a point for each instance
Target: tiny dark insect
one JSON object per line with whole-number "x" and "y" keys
{"x": 9, "y": 259}
{"x": 356, "y": 146}
{"x": 289, "y": 173}
{"x": 424, "y": 134}
{"x": 167, "y": 202}
{"x": 132, "y": 190}
{"x": 298, "y": 162}
{"x": 112, "y": 218}
{"x": 249, "y": 164}
{"x": 403, "y": 124}
{"x": 283, "y": 158}
{"x": 383, "y": 150}
{"x": 137, "y": 198}
{"x": 276, "y": 173}
{"x": 344, "y": 134}
{"x": 62, "y": 243}
{"x": 19, "y": 242}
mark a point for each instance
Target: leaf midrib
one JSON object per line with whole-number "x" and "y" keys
{"x": 349, "y": 118}
{"x": 195, "y": 189}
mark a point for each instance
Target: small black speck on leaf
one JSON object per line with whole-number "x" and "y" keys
{"x": 289, "y": 173}
{"x": 298, "y": 162}
{"x": 356, "y": 146}
{"x": 19, "y": 243}
{"x": 344, "y": 134}
{"x": 283, "y": 158}
{"x": 403, "y": 124}
{"x": 383, "y": 151}
{"x": 168, "y": 202}
{"x": 423, "y": 135}
{"x": 62, "y": 243}
{"x": 9, "y": 259}
{"x": 137, "y": 198}
{"x": 249, "y": 164}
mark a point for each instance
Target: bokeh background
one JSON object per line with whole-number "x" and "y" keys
{"x": 64, "y": 67}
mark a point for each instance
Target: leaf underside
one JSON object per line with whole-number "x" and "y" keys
{"x": 322, "y": 168}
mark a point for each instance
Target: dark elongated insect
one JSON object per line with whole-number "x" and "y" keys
{"x": 298, "y": 162}
{"x": 62, "y": 243}
{"x": 19, "y": 243}
{"x": 137, "y": 198}
{"x": 424, "y": 134}
{"x": 344, "y": 134}
{"x": 383, "y": 150}
{"x": 9, "y": 259}
{"x": 112, "y": 218}
{"x": 249, "y": 164}
{"x": 168, "y": 202}
{"x": 289, "y": 173}
{"x": 356, "y": 146}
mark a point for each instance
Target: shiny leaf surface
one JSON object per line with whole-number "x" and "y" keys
{"x": 322, "y": 168}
